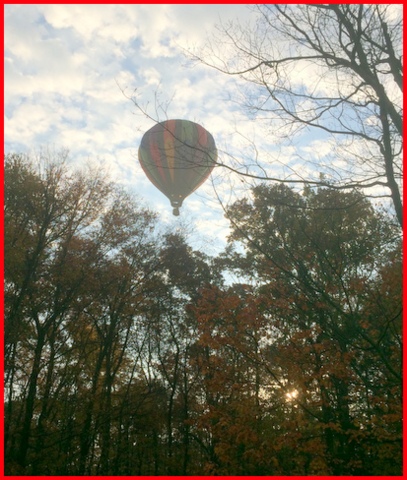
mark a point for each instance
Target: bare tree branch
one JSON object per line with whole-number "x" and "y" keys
{"x": 354, "y": 50}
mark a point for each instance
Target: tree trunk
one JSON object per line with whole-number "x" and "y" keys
{"x": 30, "y": 401}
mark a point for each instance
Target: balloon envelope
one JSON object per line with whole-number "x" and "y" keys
{"x": 177, "y": 156}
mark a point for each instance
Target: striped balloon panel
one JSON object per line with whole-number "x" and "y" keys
{"x": 177, "y": 156}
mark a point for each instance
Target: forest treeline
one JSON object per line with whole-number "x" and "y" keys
{"x": 127, "y": 352}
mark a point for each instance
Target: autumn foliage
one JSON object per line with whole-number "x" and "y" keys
{"x": 127, "y": 352}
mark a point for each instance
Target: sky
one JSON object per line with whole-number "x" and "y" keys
{"x": 73, "y": 73}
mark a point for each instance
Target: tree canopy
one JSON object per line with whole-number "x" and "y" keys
{"x": 127, "y": 352}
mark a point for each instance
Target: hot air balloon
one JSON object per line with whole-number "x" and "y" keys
{"x": 177, "y": 156}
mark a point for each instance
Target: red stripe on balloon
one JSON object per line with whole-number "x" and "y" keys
{"x": 155, "y": 154}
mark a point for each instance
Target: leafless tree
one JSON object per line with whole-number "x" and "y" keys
{"x": 332, "y": 68}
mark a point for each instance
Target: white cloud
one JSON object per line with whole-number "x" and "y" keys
{"x": 151, "y": 76}
{"x": 66, "y": 67}
{"x": 113, "y": 22}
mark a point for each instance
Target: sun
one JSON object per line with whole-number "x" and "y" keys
{"x": 291, "y": 396}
